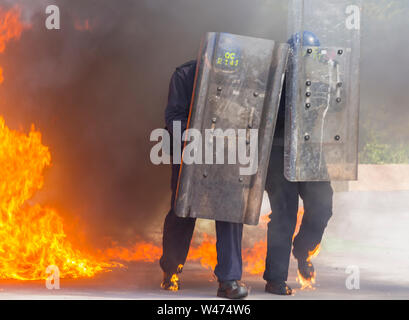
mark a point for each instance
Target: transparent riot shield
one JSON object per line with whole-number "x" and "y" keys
{"x": 237, "y": 92}
{"x": 322, "y": 90}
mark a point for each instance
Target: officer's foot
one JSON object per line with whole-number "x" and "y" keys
{"x": 280, "y": 288}
{"x": 306, "y": 269}
{"x": 232, "y": 290}
{"x": 170, "y": 282}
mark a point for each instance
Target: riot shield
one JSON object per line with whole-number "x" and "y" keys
{"x": 237, "y": 88}
{"x": 322, "y": 90}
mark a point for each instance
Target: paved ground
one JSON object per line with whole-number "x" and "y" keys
{"x": 369, "y": 230}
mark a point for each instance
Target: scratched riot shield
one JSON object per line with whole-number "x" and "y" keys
{"x": 236, "y": 97}
{"x": 322, "y": 90}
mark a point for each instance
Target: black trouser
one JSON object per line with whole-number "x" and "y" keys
{"x": 283, "y": 196}
{"x": 177, "y": 235}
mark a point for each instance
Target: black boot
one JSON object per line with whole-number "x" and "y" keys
{"x": 306, "y": 269}
{"x": 280, "y": 288}
{"x": 232, "y": 290}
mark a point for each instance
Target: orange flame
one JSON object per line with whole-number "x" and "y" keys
{"x": 309, "y": 283}
{"x": 10, "y": 26}
{"x": 300, "y": 215}
{"x": 141, "y": 251}
{"x": 255, "y": 258}
{"x": 32, "y": 237}
{"x": 174, "y": 280}
{"x": 205, "y": 253}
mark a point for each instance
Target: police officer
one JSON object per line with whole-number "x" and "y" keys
{"x": 177, "y": 232}
{"x": 283, "y": 196}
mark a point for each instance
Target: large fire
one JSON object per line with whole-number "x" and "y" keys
{"x": 31, "y": 236}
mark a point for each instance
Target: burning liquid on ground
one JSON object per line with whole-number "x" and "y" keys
{"x": 32, "y": 236}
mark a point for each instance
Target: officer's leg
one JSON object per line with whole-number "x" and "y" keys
{"x": 317, "y": 197}
{"x": 229, "y": 260}
{"x": 228, "y": 246}
{"x": 177, "y": 234}
{"x": 283, "y": 196}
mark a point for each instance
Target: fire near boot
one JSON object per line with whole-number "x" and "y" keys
{"x": 280, "y": 288}
{"x": 306, "y": 269}
{"x": 232, "y": 290}
{"x": 171, "y": 280}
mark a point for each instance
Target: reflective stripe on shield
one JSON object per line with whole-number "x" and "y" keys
{"x": 322, "y": 90}
{"x": 237, "y": 89}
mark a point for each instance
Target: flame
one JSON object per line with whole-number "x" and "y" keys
{"x": 300, "y": 215}
{"x": 31, "y": 236}
{"x": 314, "y": 253}
{"x": 10, "y": 28}
{"x": 255, "y": 258}
{"x": 309, "y": 283}
{"x": 141, "y": 251}
{"x": 205, "y": 253}
{"x": 174, "y": 280}
{"x": 304, "y": 282}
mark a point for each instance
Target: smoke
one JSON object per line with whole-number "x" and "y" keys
{"x": 96, "y": 93}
